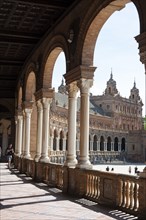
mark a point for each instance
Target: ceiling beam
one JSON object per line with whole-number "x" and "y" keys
{"x": 49, "y": 4}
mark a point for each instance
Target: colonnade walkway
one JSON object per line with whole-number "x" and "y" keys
{"x": 22, "y": 198}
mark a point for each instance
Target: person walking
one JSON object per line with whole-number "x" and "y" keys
{"x": 9, "y": 154}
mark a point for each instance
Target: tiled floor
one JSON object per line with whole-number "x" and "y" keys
{"x": 22, "y": 199}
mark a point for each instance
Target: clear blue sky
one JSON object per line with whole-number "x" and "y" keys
{"x": 116, "y": 48}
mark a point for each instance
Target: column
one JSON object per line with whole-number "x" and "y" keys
{"x": 98, "y": 145}
{"x": 39, "y": 130}
{"x": 71, "y": 160}
{"x": 119, "y": 147}
{"x": 27, "y": 132}
{"x": 16, "y": 134}
{"x": 57, "y": 143}
{"x": 105, "y": 146}
{"x": 112, "y": 146}
{"x": 84, "y": 85}
{"x": 45, "y": 130}
{"x": 23, "y": 135}
{"x": 64, "y": 144}
{"x": 19, "y": 137}
{"x": 51, "y": 143}
{"x": 91, "y": 145}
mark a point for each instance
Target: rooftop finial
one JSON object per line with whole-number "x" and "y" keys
{"x": 134, "y": 83}
{"x": 111, "y": 73}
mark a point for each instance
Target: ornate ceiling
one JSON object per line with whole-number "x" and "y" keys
{"x": 22, "y": 24}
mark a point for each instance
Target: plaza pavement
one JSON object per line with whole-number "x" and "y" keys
{"x": 23, "y": 199}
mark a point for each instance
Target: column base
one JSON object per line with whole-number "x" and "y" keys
{"x": 84, "y": 165}
{"x": 27, "y": 157}
{"x": 45, "y": 159}
{"x": 37, "y": 158}
{"x": 70, "y": 163}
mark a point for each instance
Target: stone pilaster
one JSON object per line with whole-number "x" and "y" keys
{"x": 72, "y": 106}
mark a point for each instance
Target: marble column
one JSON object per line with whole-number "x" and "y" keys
{"x": 23, "y": 135}
{"x": 16, "y": 135}
{"x": 84, "y": 85}
{"x": 39, "y": 130}
{"x": 28, "y": 113}
{"x": 19, "y": 137}
{"x": 71, "y": 160}
{"x": 45, "y": 130}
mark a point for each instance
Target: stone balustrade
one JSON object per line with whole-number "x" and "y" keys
{"x": 124, "y": 192}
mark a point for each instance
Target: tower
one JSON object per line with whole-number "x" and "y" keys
{"x": 111, "y": 86}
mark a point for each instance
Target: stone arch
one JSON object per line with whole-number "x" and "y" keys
{"x": 93, "y": 22}
{"x": 30, "y": 87}
{"x": 57, "y": 45}
{"x": 19, "y": 98}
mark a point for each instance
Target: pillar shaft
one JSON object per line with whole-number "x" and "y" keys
{"x": 84, "y": 86}
{"x": 27, "y": 132}
{"x": 19, "y": 137}
{"x": 45, "y": 129}
{"x": 39, "y": 130}
{"x": 72, "y": 106}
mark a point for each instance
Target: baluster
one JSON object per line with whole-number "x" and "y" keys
{"x": 95, "y": 185}
{"x": 131, "y": 196}
{"x": 123, "y": 193}
{"x": 127, "y": 194}
{"x": 136, "y": 201}
{"x": 91, "y": 186}
{"x": 120, "y": 194}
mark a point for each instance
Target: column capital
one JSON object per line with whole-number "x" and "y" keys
{"x": 44, "y": 93}
{"x": 46, "y": 102}
{"x": 85, "y": 85}
{"x": 72, "y": 89}
{"x": 39, "y": 105}
{"x": 27, "y": 111}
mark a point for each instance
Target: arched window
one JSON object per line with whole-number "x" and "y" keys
{"x": 116, "y": 144}
{"x": 95, "y": 143}
{"x": 123, "y": 144}
{"x": 101, "y": 143}
{"x": 109, "y": 144}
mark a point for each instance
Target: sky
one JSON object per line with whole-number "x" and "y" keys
{"x": 117, "y": 50}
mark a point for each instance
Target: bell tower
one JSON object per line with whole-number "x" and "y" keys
{"x": 111, "y": 86}
{"x": 134, "y": 94}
